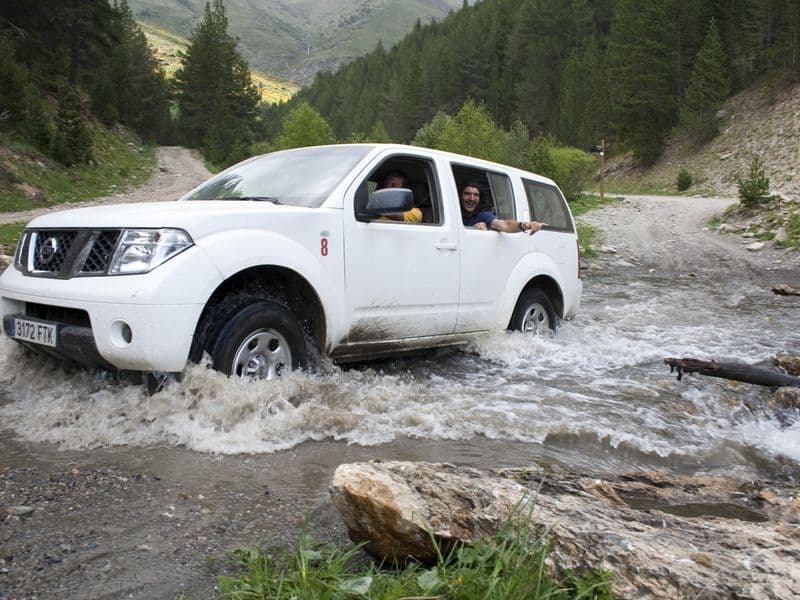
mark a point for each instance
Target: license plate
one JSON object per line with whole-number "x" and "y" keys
{"x": 34, "y": 331}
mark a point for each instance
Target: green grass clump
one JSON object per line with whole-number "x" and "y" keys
{"x": 9, "y": 235}
{"x": 587, "y": 236}
{"x": 792, "y": 233}
{"x": 509, "y": 566}
{"x": 587, "y": 202}
{"x": 29, "y": 179}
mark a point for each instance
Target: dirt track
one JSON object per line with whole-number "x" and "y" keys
{"x": 178, "y": 171}
{"x": 670, "y": 233}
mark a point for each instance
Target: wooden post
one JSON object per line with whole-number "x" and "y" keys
{"x": 602, "y": 169}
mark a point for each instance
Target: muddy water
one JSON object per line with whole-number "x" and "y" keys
{"x": 596, "y": 397}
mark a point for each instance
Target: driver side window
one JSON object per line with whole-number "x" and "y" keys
{"x": 404, "y": 172}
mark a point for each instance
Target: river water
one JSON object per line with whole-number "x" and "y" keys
{"x": 596, "y": 397}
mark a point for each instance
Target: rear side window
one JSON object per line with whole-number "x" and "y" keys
{"x": 497, "y": 194}
{"x": 547, "y": 205}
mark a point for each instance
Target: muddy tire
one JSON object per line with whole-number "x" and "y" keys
{"x": 255, "y": 338}
{"x": 534, "y": 313}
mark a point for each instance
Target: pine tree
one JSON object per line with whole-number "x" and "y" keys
{"x": 214, "y": 85}
{"x": 583, "y": 105}
{"x": 708, "y": 88}
{"x": 73, "y": 142}
{"x": 137, "y": 82}
{"x": 13, "y": 84}
{"x": 642, "y": 77}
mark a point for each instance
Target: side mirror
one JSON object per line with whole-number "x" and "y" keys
{"x": 385, "y": 201}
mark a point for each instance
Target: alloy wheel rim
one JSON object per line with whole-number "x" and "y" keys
{"x": 535, "y": 320}
{"x": 264, "y": 354}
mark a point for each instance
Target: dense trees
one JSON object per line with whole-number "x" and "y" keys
{"x": 59, "y": 58}
{"x": 626, "y": 70}
{"x": 708, "y": 88}
{"x": 570, "y": 71}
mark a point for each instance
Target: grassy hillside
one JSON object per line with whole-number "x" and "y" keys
{"x": 296, "y": 38}
{"x": 168, "y": 46}
{"x": 31, "y": 180}
{"x": 762, "y": 121}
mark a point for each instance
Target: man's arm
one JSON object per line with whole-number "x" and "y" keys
{"x": 509, "y": 226}
{"x": 410, "y": 216}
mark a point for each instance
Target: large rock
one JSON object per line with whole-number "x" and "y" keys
{"x": 789, "y": 363}
{"x": 392, "y": 506}
{"x": 734, "y": 539}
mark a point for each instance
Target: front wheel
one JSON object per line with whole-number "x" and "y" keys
{"x": 261, "y": 340}
{"x": 534, "y": 313}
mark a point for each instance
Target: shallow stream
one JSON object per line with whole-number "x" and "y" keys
{"x": 597, "y": 397}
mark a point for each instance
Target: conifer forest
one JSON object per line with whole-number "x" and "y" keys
{"x": 572, "y": 72}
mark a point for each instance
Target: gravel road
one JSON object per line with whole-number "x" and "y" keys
{"x": 671, "y": 234}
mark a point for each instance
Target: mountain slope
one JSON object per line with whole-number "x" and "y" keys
{"x": 168, "y": 46}
{"x": 761, "y": 121}
{"x": 296, "y": 38}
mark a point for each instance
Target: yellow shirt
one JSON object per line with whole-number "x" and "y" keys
{"x": 410, "y": 216}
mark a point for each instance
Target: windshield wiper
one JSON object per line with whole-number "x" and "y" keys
{"x": 252, "y": 199}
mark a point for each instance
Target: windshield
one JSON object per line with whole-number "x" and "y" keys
{"x": 301, "y": 177}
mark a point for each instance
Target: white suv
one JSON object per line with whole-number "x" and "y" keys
{"x": 289, "y": 254}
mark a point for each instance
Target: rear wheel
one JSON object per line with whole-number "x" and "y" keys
{"x": 255, "y": 338}
{"x": 534, "y": 313}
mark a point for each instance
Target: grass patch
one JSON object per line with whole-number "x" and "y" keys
{"x": 29, "y": 179}
{"x": 639, "y": 188}
{"x": 587, "y": 236}
{"x": 587, "y": 202}
{"x": 509, "y": 566}
{"x": 9, "y": 235}
{"x": 792, "y": 233}
{"x": 765, "y": 219}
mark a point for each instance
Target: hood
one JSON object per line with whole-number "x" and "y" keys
{"x": 197, "y": 217}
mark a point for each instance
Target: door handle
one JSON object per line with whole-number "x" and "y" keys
{"x": 444, "y": 245}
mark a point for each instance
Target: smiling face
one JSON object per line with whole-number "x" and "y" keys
{"x": 470, "y": 198}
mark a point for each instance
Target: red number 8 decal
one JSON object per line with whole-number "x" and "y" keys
{"x": 323, "y": 246}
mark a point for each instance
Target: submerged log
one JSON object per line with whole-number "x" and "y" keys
{"x": 735, "y": 371}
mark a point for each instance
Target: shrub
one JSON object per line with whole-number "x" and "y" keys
{"x": 573, "y": 169}
{"x": 755, "y": 189}
{"x": 684, "y": 181}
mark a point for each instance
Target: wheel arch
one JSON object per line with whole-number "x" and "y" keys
{"x": 550, "y": 287}
{"x": 281, "y": 283}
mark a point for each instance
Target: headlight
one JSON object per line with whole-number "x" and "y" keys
{"x": 142, "y": 250}
{"x": 20, "y": 247}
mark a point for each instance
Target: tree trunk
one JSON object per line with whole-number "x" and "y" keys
{"x": 735, "y": 371}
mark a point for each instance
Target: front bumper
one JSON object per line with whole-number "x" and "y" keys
{"x": 131, "y": 323}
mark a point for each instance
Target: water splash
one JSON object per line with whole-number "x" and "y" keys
{"x": 599, "y": 388}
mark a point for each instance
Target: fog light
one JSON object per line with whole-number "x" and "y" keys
{"x": 121, "y": 334}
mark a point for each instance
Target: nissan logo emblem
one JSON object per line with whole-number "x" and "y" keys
{"x": 47, "y": 251}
